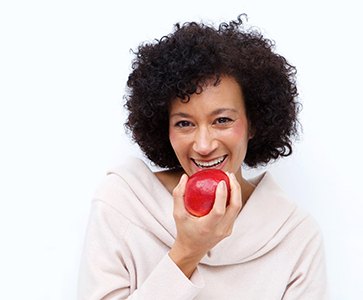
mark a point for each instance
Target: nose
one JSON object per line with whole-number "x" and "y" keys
{"x": 204, "y": 141}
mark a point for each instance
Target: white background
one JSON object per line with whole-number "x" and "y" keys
{"x": 63, "y": 69}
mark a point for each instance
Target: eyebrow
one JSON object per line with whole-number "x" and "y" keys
{"x": 213, "y": 113}
{"x": 222, "y": 110}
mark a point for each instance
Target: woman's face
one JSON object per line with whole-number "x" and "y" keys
{"x": 211, "y": 130}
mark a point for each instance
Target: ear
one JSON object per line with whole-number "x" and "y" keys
{"x": 251, "y": 135}
{"x": 251, "y": 131}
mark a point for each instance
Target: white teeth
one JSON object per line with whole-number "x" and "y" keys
{"x": 211, "y": 163}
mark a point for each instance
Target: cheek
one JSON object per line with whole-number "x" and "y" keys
{"x": 175, "y": 140}
{"x": 172, "y": 137}
{"x": 171, "y": 134}
{"x": 239, "y": 132}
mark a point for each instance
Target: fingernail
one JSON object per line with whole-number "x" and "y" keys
{"x": 223, "y": 184}
{"x": 184, "y": 177}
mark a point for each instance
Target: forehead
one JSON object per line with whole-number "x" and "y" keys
{"x": 227, "y": 94}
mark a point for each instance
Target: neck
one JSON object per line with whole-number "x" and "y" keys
{"x": 247, "y": 188}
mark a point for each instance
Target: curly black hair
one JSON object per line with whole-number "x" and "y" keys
{"x": 183, "y": 62}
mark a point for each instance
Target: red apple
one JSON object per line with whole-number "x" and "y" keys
{"x": 200, "y": 191}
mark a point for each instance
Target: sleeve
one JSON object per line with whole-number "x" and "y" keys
{"x": 104, "y": 272}
{"x": 308, "y": 280}
{"x": 167, "y": 282}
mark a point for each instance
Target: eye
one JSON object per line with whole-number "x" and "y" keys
{"x": 183, "y": 124}
{"x": 223, "y": 120}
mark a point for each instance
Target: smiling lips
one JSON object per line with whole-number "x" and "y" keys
{"x": 209, "y": 164}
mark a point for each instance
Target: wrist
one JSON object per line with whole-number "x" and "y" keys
{"x": 186, "y": 260}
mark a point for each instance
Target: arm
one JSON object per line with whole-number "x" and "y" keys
{"x": 104, "y": 268}
{"x": 196, "y": 236}
{"x": 308, "y": 280}
{"x": 107, "y": 271}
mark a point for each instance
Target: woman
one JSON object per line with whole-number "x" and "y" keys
{"x": 200, "y": 98}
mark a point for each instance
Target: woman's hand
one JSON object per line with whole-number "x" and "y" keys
{"x": 197, "y": 235}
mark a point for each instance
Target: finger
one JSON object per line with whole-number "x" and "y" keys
{"x": 235, "y": 202}
{"x": 178, "y": 194}
{"x": 219, "y": 206}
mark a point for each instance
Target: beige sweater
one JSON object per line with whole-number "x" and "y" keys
{"x": 274, "y": 252}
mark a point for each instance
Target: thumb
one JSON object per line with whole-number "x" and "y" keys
{"x": 178, "y": 193}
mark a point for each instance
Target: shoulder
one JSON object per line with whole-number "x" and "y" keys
{"x": 123, "y": 180}
{"x": 270, "y": 202}
{"x": 131, "y": 167}
{"x": 133, "y": 191}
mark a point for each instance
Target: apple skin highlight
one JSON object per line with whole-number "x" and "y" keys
{"x": 200, "y": 191}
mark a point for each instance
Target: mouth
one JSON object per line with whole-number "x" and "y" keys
{"x": 210, "y": 163}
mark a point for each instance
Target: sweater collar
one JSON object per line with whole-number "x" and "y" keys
{"x": 260, "y": 226}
